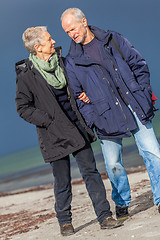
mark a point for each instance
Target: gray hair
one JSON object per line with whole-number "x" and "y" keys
{"x": 33, "y": 36}
{"x": 76, "y": 12}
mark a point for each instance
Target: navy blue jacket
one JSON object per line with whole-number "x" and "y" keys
{"x": 108, "y": 86}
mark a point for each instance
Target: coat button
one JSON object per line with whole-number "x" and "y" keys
{"x": 142, "y": 115}
{"x": 127, "y": 92}
{"x": 116, "y": 69}
{"x": 116, "y": 103}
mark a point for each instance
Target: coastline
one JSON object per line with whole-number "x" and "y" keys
{"x": 29, "y": 213}
{"x": 42, "y": 175}
{"x": 76, "y": 181}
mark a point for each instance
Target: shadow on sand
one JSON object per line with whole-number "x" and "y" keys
{"x": 142, "y": 203}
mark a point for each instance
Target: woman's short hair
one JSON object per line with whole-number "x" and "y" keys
{"x": 33, "y": 36}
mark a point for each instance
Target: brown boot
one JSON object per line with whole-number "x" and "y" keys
{"x": 66, "y": 229}
{"x": 109, "y": 223}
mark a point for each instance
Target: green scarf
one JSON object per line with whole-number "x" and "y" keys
{"x": 45, "y": 68}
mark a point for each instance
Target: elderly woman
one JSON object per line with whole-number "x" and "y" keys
{"x": 44, "y": 98}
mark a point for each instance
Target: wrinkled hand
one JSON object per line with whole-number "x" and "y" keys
{"x": 83, "y": 97}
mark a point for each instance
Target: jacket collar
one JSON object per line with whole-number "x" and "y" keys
{"x": 25, "y": 64}
{"x": 76, "y": 49}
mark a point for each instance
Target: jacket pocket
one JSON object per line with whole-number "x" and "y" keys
{"x": 101, "y": 106}
{"x": 104, "y": 119}
{"x": 56, "y": 135}
{"x": 135, "y": 87}
{"x": 143, "y": 95}
{"x": 43, "y": 138}
{"x": 107, "y": 121}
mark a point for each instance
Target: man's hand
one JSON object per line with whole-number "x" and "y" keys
{"x": 83, "y": 97}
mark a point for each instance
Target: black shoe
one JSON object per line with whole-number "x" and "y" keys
{"x": 66, "y": 229}
{"x": 110, "y": 223}
{"x": 122, "y": 213}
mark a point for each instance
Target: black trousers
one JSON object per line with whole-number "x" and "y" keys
{"x": 94, "y": 184}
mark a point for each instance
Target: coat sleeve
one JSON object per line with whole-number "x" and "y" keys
{"x": 135, "y": 61}
{"x": 26, "y": 108}
{"x": 85, "y": 108}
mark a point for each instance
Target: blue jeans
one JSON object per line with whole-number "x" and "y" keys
{"x": 149, "y": 149}
{"x": 92, "y": 178}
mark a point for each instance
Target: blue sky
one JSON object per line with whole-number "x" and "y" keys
{"x": 138, "y": 20}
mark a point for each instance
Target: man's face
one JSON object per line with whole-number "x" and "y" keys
{"x": 75, "y": 30}
{"x": 47, "y": 46}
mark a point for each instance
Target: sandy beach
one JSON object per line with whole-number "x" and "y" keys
{"x": 29, "y": 213}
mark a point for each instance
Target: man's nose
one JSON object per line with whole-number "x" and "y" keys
{"x": 72, "y": 34}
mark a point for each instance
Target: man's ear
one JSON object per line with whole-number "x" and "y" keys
{"x": 84, "y": 21}
{"x": 37, "y": 48}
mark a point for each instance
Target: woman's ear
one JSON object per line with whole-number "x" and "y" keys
{"x": 37, "y": 48}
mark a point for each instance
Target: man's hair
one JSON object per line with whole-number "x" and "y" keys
{"x": 33, "y": 36}
{"x": 76, "y": 12}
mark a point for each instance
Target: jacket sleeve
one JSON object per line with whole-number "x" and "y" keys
{"x": 135, "y": 61}
{"x": 85, "y": 108}
{"x": 26, "y": 107}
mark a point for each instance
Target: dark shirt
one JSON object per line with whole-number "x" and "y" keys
{"x": 62, "y": 98}
{"x": 91, "y": 49}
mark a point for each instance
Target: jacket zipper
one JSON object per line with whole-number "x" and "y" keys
{"x": 112, "y": 91}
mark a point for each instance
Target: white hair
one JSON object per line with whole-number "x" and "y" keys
{"x": 76, "y": 12}
{"x": 33, "y": 36}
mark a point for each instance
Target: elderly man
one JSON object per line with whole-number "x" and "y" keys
{"x": 44, "y": 98}
{"x": 114, "y": 76}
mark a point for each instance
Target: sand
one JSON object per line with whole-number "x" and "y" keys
{"x": 29, "y": 214}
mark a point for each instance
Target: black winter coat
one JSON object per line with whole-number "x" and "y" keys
{"x": 37, "y": 104}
